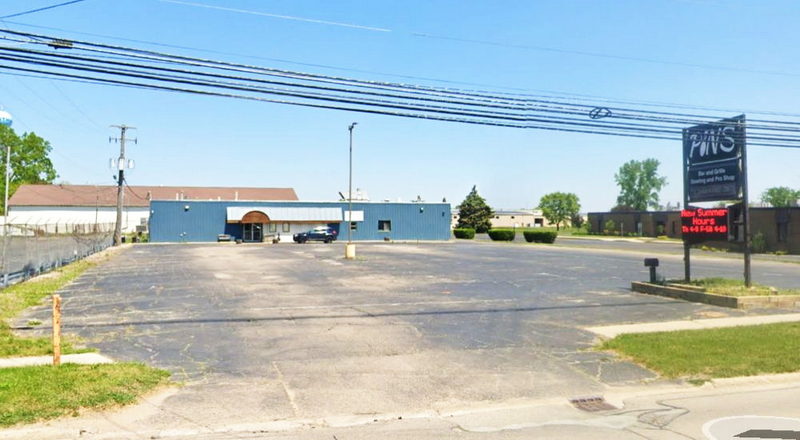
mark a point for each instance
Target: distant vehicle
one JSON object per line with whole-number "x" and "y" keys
{"x": 320, "y": 233}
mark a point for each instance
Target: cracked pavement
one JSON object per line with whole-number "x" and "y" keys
{"x": 294, "y": 334}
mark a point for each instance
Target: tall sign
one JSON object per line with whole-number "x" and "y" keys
{"x": 713, "y": 155}
{"x": 714, "y": 169}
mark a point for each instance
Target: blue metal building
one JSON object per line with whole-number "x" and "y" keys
{"x": 205, "y": 221}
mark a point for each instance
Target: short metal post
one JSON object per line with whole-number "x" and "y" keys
{"x": 652, "y": 263}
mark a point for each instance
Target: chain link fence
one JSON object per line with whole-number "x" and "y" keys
{"x": 32, "y": 249}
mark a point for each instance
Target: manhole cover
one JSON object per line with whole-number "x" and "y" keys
{"x": 592, "y": 404}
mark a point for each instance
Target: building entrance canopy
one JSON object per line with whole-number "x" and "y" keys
{"x": 236, "y": 214}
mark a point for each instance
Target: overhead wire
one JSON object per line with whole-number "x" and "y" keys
{"x": 518, "y": 91}
{"x": 152, "y": 55}
{"x": 31, "y": 11}
{"x": 152, "y": 69}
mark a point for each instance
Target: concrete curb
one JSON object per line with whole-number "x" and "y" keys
{"x": 81, "y": 358}
{"x": 611, "y": 331}
{"x": 695, "y": 294}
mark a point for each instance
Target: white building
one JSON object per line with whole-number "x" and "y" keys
{"x": 97, "y": 204}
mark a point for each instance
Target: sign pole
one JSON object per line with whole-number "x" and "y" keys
{"x": 745, "y": 207}
{"x": 687, "y": 266}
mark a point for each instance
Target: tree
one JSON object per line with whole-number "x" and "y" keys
{"x": 639, "y": 184}
{"x": 30, "y": 162}
{"x": 780, "y": 196}
{"x": 474, "y": 213}
{"x": 623, "y": 208}
{"x": 558, "y": 207}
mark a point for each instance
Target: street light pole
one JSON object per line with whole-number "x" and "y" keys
{"x": 350, "y": 248}
{"x": 5, "y": 119}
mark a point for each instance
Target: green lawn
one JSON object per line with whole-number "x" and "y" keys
{"x": 731, "y": 287}
{"x": 714, "y": 353}
{"x": 562, "y": 232}
{"x": 16, "y": 298}
{"x": 28, "y": 394}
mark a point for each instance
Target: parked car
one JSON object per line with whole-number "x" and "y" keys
{"x": 320, "y": 233}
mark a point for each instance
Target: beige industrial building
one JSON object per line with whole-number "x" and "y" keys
{"x": 521, "y": 218}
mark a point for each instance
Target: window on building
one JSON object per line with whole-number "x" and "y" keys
{"x": 385, "y": 225}
{"x": 783, "y": 232}
{"x": 353, "y": 226}
{"x": 273, "y": 227}
{"x": 673, "y": 228}
{"x": 286, "y": 227}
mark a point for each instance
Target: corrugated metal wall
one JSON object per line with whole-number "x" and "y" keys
{"x": 203, "y": 221}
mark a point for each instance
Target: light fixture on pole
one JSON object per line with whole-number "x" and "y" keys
{"x": 6, "y": 119}
{"x": 350, "y": 248}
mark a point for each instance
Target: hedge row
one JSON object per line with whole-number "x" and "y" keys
{"x": 467, "y": 233}
{"x": 502, "y": 234}
{"x": 540, "y": 236}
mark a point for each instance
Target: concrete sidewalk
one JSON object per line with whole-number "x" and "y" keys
{"x": 81, "y": 358}
{"x": 611, "y": 331}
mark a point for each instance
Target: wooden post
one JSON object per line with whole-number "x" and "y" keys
{"x": 56, "y": 330}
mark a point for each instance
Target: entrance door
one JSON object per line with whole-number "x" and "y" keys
{"x": 253, "y": 232}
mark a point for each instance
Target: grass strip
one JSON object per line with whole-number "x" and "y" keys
{"x": 714, "y": 353}
{"x": 29, "y": 394}
{"x": 736, "y": 287}
{"x": 14, "y": 299}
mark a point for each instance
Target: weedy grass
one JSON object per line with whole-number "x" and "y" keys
{"x": 714, "y": 353}
{"x": 733, "y": 287}
{"x": 18, "y": 297}
{"x": 29, "y": 394}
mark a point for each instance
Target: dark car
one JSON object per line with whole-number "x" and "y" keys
{"x": 320, "y": 233}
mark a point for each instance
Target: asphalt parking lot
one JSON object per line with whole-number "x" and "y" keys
{"x": 272, "y": 332}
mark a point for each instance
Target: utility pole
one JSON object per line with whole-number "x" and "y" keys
{"x": 6, "y": 119}
{"x": 120, "y": 179}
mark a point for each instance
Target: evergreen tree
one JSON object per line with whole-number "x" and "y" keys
{"x": 474, "y": 213}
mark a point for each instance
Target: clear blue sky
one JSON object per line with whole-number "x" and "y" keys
{"x": 204, "y": 141}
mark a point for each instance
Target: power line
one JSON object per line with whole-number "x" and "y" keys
{"x": 152, "y": 70}
{"x": 493, "y": 43}
{"x": 283, "y": 17}
{"x": 550, "y": 94}
{"x": 31, "y": 11}
{"x": 470, "y": 103}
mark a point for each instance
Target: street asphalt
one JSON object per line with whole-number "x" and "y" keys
{"x": 269, "y": 333}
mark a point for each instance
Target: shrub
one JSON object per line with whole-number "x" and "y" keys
{"x": 540, "y": 236}
{"x": 502, "y": 234}
{"x": 608, "y": 227}
{"x": 759, "y": 243}
{"x": 467, "y": 233}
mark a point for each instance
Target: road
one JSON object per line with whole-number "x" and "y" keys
{"x": 295, "y": 335}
